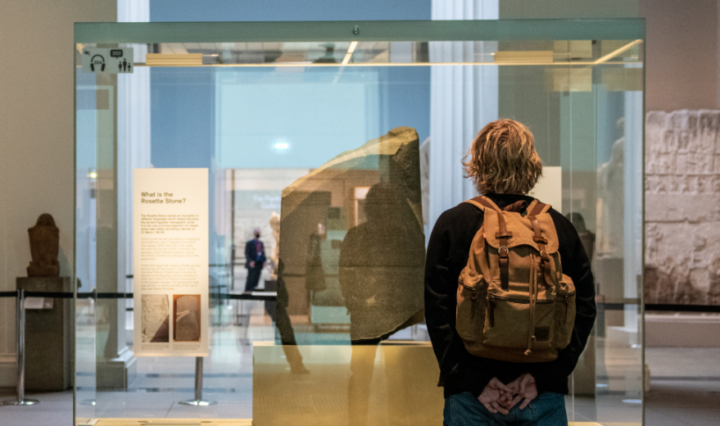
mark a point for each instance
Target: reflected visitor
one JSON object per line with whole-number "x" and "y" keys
{"x": 381, "y": 270}
{"x": 255, "y": 260}
{"x": 352, "y": 252}
{"x": 314, "y": 272}
{"x": 279, "y": 313}
{"x": 493, "y": 263}
{"x": 285, "y": 328}
{"x": 586, "y": 236}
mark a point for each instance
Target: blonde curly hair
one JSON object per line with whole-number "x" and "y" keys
{"x": 503, "y": 159}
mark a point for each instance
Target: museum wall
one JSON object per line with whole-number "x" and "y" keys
{"x": 682, "y": 54}
{"x": 37, "y": 137}
{"x": 559, "y": 9}
{"x": 681, "y": 144}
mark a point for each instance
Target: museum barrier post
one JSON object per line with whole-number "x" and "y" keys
{"x": 20, "y": 341}
{"x": 198, "y": 401}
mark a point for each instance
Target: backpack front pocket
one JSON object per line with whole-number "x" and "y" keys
{"x": 507, "y": 323}
{"x": 471, "y": 293}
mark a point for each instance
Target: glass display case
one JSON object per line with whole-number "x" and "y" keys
{"x": 254, "y": 201}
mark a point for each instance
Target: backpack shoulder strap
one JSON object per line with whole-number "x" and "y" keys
{"x": 502, "y": 235}
{"x": 482, "y": 202}
{"x": 536, "y": 207}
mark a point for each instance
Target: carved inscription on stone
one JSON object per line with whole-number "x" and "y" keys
{"x": 682, "y": 211}
{"x": 187, "y": 318}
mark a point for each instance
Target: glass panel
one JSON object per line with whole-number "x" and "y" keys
{"x": 341, "y": 155}
{"x": 91, "y": 107}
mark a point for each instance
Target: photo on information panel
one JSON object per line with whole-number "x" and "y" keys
{"x": 155, "y": 318}
{"x": 186, "y": 314}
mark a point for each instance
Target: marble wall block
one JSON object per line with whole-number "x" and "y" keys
{"x": 682, "y": 207}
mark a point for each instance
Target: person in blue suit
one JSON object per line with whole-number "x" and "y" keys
{"x": 255, "y": 260}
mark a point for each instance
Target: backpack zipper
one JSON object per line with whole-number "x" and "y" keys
{"x": 491, "y": 310}
{"x": 473, "y": 297}
{"x": 567, "y": 305}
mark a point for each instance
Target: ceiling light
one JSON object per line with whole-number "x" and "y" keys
{"x": 281, "y": 146}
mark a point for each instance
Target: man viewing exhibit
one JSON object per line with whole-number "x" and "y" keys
{"x": 504, "y": 277}
{"x": 255, "y": 260}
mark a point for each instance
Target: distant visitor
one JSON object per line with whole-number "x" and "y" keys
{"x": 255, "y": 260}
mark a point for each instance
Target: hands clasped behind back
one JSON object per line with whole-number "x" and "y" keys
{"x": 498, "y": 397}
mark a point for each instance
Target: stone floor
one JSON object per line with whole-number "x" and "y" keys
{"x": 685, "y": 386}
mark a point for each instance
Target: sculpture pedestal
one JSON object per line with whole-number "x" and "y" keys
{"x": 400, "y": 385}
{"x": 48, "y": 336}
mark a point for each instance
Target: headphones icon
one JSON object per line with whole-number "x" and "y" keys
{"x": 92, "y": 65}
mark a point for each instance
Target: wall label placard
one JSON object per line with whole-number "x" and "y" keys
{"x": 171, "y": 246}
{"x": 100, "y": 60}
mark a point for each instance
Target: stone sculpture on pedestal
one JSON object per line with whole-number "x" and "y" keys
{"x": 333, "y": 197}
{"x": 44, "y": 248}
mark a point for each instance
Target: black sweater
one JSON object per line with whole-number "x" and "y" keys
{"x": 447, "y": 255}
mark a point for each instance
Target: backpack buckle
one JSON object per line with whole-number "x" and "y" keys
{"x": 507, "y": 251}
{"x": 540, "y": 239}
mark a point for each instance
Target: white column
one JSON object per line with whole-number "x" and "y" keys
{"x": 133, "y": 132}
{"x": 117, "y": 367}
{"x": 462, "y": 100}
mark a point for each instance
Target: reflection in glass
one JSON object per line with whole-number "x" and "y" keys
{"x": 381, "y": 275}
{"x": 352, "y": 250}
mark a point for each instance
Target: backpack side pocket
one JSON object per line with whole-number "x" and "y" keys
{"x": 470, "y": 313}
{"x": 564, "y": 312}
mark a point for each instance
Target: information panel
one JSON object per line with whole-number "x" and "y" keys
{"x": 171, "y": 262}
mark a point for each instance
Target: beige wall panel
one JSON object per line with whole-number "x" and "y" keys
{"x": 682, "y": 54}
{"x": 36, "y": 131}
{"x": 556, "y": 9}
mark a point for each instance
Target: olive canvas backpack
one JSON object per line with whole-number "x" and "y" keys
{"x": 513, "y": 301}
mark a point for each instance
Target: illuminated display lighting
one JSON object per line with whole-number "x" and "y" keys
{"x": 281, "y": 146}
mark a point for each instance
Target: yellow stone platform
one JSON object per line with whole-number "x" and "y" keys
{"x": 164, "y": 422}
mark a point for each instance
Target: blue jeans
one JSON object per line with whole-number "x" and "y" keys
{"x": 463, "y": 409}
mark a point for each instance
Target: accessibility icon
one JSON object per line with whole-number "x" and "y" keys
{"x": 107, "y": 61}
